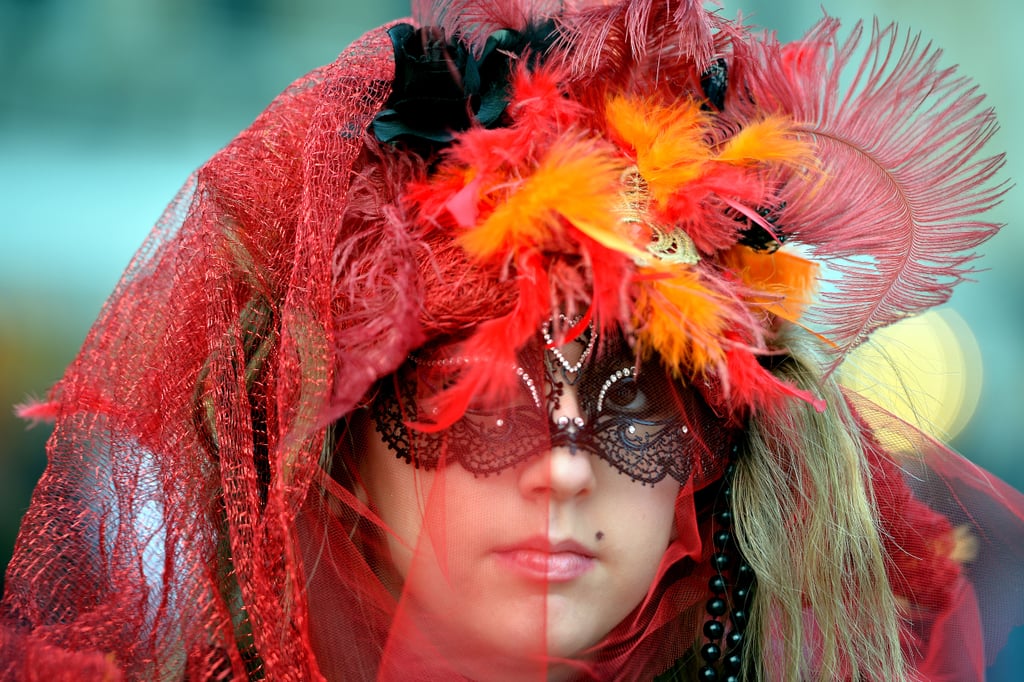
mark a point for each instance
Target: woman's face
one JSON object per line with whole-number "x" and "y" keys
{"x": 544, "y": 558}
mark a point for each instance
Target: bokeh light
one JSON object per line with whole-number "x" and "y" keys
{"x": 926, "y": 370}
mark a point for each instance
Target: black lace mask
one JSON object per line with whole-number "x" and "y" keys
{"x": 637, "y": 418}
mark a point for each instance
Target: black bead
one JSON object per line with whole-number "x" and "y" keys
{"x": 727, "y": 494}
{"x": 722, "y": 538}
{"x": 739, "y": 618}
{"x": 732, "y": 678}
{"x": 733, "y": 662}
{"x": 710, "y": 652}
{"x": 744, "y": 573}
{"x": 714, "y": 629}
{"x": 741, "y": 594}
{"x": 717, "y": 607}
{"x": 730, "y": 469}
{"x": 720, "y": 560}
{"x": 734, "y": 640}
{"x": 708, "y": 674}
{"x": 717, "y": 584}
{"x": 724, "y": 517}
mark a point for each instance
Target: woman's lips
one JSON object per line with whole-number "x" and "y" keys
{"x": 545, "y": 561}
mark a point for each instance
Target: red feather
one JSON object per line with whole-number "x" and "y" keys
{"x": 700, "y": 205}
{"x": 896, "y": 213}
{"x": 493, "y": 346}
{"x": 748, "y": 384}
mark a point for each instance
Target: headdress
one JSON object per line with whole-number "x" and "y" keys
{"x": 696, "y": 202}
{"x": 409, "y": 226}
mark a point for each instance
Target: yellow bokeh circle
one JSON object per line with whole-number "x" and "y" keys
{"x": 926, "y": 370}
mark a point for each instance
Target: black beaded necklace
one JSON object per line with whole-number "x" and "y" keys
{"x": 724, "y": 630}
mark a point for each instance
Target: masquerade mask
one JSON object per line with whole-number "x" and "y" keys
{"x": 602, "y": 402}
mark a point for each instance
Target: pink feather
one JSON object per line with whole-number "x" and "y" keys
{"x": 477, "y": 19}
{"x": 603, "y": 34}
{"x": 38, "y": 411}
{"x": 696, "y": 27}
{"x": 896, "y": 214}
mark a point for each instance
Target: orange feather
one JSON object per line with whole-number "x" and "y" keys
{"x": 682, "y": 319}
{"x": 577, "y": 182}
{"x": 668, "y": 141}
{"x": 771, "y": 140}
{"x": 783, "y": 283}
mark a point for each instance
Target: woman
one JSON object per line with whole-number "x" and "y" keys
{"x": 493, "y": 351}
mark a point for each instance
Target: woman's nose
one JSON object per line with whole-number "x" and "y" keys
{"x": 559, "y": 474}
{"x": 564, "y": 471}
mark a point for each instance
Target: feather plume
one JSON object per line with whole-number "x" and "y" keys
{"x": 691, "y": 180}
{"x": 749, "y": 384}
{"x": 667, "y": 141}
{"x": 541, "y": 113}
{"x": 700, "y": 206}
{"x": 679, "y": 315}
{"x": 696, "y": 27}
{"x": 592, "y": 40}
{"x": 576, "y": 182}
{"x": 607, "y": 292}
{"x": 904, "y": 180}
{"x": 771, "y": 140}
{"x": 491, "y": 153}
{"x": 539, "y": 103}
{"x": 475, "y": 20}
{"x": 434, "y": 196}
{"x": 38, "y": 411}
{"x": 607, "y": 37}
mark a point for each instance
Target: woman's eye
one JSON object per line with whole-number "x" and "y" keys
{"x": 625, "y": 395}
{"x": 644, "y": 396}
{"x": 620, "y": 392}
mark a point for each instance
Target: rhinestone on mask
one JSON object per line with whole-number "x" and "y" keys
{"x": 549, "y": 342}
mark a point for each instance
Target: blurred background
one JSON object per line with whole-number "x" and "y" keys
{"x": 108, "y": 105}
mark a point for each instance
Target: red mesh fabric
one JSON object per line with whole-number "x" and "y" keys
{"x": 191, "y": 423}
{"x": 441, "y": 623}
{"x": 962, "y": 586}
{"x": 214, "y": 507}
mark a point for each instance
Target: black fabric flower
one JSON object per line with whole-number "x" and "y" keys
{"x": 757, "y": 237}
{"x": 440, "y": 88}
{"x": 714, "y": 82}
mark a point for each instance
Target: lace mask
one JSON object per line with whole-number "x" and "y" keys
{"x": 601, "y": 402}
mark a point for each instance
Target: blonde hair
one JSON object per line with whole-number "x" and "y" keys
{"x": 807, "y": 523}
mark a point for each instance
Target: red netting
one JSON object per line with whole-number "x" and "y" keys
{"x": 967, "y": 596}
{"x": 213, "y": 363}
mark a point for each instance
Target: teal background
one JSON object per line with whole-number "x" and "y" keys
{"x": 106, "y": 106}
